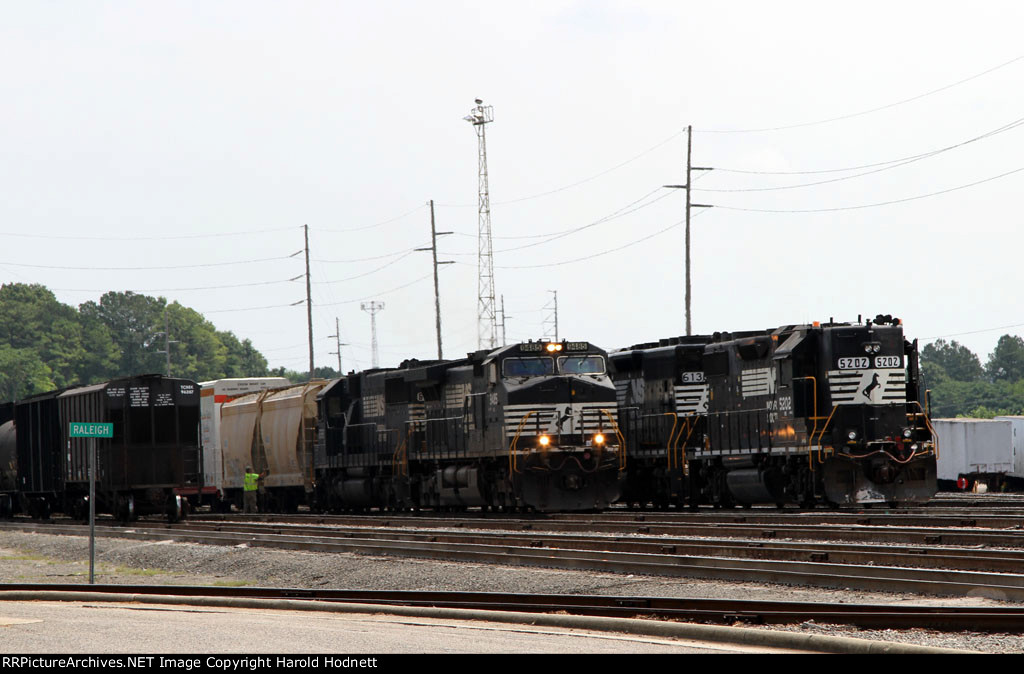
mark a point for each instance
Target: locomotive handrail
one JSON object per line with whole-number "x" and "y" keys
{"x": 400, "y": 466}
{"x": 622, "y": 440}
{"x": 810, "y": 438}
{"x": 400, "y": 457}
{"x": 515, "y": 440}
{"x": 693, "y": 427}
{"x": 931, "y": 429}
{"x": 821, "y": 436}
{"x": 668, "y": 447}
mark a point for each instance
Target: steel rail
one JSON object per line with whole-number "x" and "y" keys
{"x": 968, "y": 533}
{"x": 941, "y": 582}
{"x": 730, "y": 611}
{"x": 959, "y": 518}
{"x": 972, "y": 559}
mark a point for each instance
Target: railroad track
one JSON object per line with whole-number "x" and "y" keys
{"x": 924, "y": 570}
{"x": 724, "y": 611}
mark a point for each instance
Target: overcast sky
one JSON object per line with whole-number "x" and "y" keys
{"x": 138, "y": 138}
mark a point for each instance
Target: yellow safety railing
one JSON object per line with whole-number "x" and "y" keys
{"x": 821, "y": 435}
{"x": 814, "y": 429}
{"x": 681, "y": 447}
{"x": 622, "y": 440}
{"x": 400, "y": 457}
{"x": 515, "y": 440}
{"x": 928, "y": 425}
{"x": 671, "y": 435}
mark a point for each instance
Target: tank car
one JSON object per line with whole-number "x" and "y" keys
{"x": 530, "y": 425}
{"x": 150, "y": 465}
{"x": 803, "y": 414}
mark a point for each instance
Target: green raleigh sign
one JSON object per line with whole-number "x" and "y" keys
{"x": 85, "y": 429}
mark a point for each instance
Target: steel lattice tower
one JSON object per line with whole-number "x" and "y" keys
{"x": 372, "y": 308}
{"x": 487, "y": 322}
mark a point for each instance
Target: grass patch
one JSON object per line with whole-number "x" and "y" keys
{"x": 26, "y": 558}
{"x": 131, "y": 571}
{"x": 230, "y": 583}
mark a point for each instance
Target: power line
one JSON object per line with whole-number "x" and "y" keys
{"x": 121, "y": 237}
{"x": 578, "y": 182}
{"x": 617, "y": 214}
{"x": 366, "y": 259}
{"x": 566, "y": 232}
{"x": 605, "y": 252}
{"x": 972, "y": 332}
{"x": 163, "y": 290}
{"x": 269, "y": 306}
{"x": 148, "y": 267}
{"x": 372, "y": 271}
{"x": 872, "y": 110}
{"x": 880, "y": 203}
{"x": 384, "y": 292}
{"x": 894, "y": 163}
{"x": 378, "y": 224}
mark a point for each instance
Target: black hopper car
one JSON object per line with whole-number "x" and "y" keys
{"x": 803, "y": 414}
{"x": 525, "y": 426}
{"x": 150, "y": 465}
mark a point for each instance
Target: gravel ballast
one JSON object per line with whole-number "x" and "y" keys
{"x": 42, "y": 558}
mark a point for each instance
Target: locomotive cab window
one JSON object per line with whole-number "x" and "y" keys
{"x": 527, "y": 367}
{"x": 581, "y": 365}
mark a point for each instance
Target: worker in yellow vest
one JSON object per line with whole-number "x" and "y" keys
{"x": 249, "y": 486}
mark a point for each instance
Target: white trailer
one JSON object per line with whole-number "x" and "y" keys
{"x": 212, "y": 395}
{"x": 980, "y": 450}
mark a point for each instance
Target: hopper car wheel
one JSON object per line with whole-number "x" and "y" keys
{"x": 41, "y": 509}
{"x": 126, "y": 507}
{"x": 80, "y": 509}
{"x": 177, "y": 508}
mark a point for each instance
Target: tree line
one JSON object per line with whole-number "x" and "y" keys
{"x": 46, "y": 345}
{"x": 961, "y": 386}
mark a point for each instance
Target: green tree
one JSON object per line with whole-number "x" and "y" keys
{"x": 955, "y": 360}
{"x": 32, "y": 319}
{"x": 22, "y": 373}
{"x": 133, "y": 322}
{"x": 1006, "y": 363}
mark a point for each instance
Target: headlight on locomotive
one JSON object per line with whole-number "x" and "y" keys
{"x": 852, "y": 435}
{"x": 544, "y": 441}
{"x": 908, "y": 432}
{"x": 599, "y": 438}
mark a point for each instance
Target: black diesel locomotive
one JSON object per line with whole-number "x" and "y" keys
{"x": 530, "y": 425}
{"x": 803, "y": 414}
{"x": 150, "y": 465}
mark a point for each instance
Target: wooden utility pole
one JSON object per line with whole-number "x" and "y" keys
{"x": 338, "y": 343}
{"x": 689, "y": 169}
{"x": 437, "y": 292}
{"x": 309, "y": 304}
